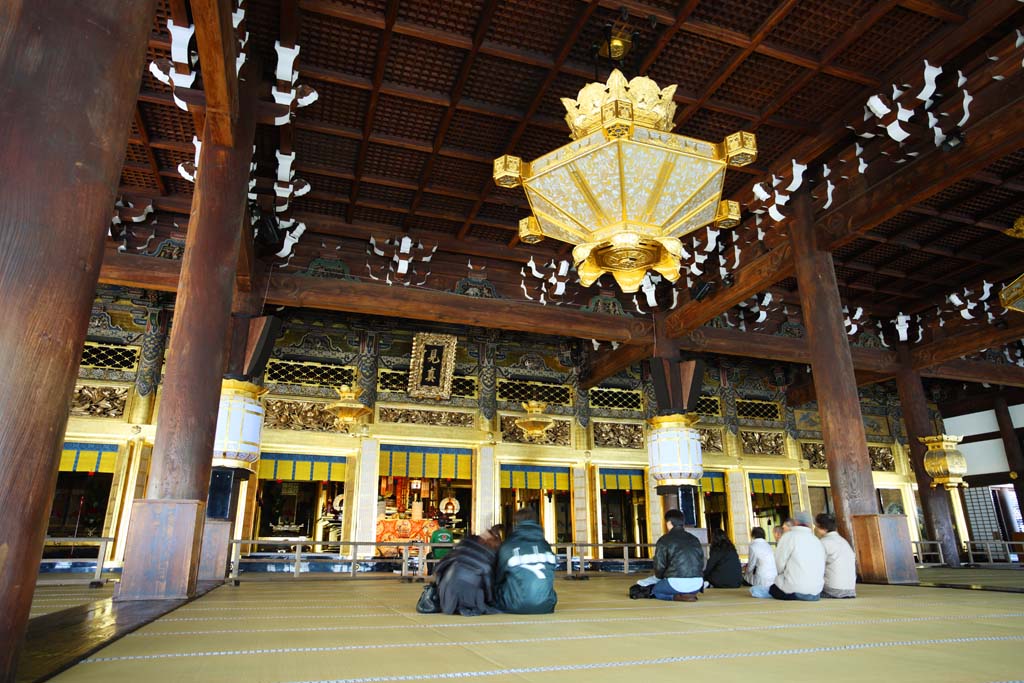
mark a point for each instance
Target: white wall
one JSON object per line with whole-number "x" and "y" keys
{"x": 984, "y": 457}
{"x": 974, "y": 423}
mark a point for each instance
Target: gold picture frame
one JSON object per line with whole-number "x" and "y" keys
{"x": 433, "y": 365}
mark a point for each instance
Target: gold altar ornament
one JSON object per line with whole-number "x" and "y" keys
{"x": 432, "y": 366}
{"x": 347, "y": 409}
{"x": 944, "y": 462}
{"x": 626, "y": 189}
{"x": 535, "y": 424}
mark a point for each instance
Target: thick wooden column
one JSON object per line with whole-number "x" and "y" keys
{"x": 69, "y": 73}
{"x": 842, "y": 427}
{"x": 162, "y": 552}
{"x": 1011, "y": 443}
{"x": 938, "y": 515}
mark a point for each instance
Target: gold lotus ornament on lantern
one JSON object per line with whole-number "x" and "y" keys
{"x": 944, "y": 462}
{"x": 347, "y": 409}
{"x": 626, "y": 189}
{"x": 535, "y": 424}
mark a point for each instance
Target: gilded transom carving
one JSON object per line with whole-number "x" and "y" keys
{"x": 305, "y": 416}
{"x": 815, "y": 454}
{"x": 557, "y": 435}
{"x": 94, "y": 401}
{"x": 763, "y": 443}
{"x": 437, "y": 418}
{"x": 882, "y": 459}
{"x": 618, "y": 435}
{"x": 711, "y": 440}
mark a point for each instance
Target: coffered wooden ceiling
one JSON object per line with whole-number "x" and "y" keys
{"x": 416, "y": 98}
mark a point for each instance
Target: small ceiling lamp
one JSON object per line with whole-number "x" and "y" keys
{"x": 626, "y": 189}
{"x": 347, "y": 409}
{"x": 535, "y": 424}
{"x": 674, "y": 450}
{"x": 944, "y": 462}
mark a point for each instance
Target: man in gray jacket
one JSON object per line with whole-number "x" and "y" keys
{"x": 840, "y": 561}
{"x": 678, "y": 564}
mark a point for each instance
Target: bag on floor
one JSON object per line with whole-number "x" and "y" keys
{"x": 638, "y": 592}
{"x": 429, "y": 602}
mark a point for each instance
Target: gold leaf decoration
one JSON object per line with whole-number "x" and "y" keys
{"x": 436, "y": 418}
{"x": 815, "y": 454}
{"x": 303, "y": 416}
{"x": 882, "y": 459}
{"x": 763, "y": 443}
{"x": 91, "y": 401}
{"x": 557, "y": 435}
{"x": 711, "y": 440}
{"x": 618, "y": 435}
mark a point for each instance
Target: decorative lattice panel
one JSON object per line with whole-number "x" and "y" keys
{"x": 709, "y": 405}
{"x": 758, "y": 410}
{"x": 393, "y": 380}
{"x": 309, "y": 374}
{"x": 616, "y": 399}
{"x": 516, "y": 390}
{"x": 464, "y": 387}
{"x": 110, "y": 356}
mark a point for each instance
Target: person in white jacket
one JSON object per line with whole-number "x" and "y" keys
{"x": 760, "y": 569}
{"x": 840, "y": 560}
{"x": 800, "y": 561}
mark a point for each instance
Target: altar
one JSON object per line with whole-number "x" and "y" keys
{"x": 403, "y": 530}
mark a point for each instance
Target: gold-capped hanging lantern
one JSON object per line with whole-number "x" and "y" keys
{"x": 944, "y": 462}
{"x": 239, "y": 425}
{"x": 535, "y": 423}
{"x": 626, "y": 189}
{"x": 674, "y": 450}
{"x": 347, "y": 409}
{"x": 1012, "y": 296}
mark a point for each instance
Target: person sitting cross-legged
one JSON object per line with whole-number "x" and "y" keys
{"x": 800, "y": 561}
{"x": 526, "y": 569}
{"x": 724, "y": 569}
{"x": 840, "y": 561}
{"x": 678, "y": 565}
{"x": 760, "y": 569}
{"x": 465, "y": 577}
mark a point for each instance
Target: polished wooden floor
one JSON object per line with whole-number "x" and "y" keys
{"x": 360, "y": 631}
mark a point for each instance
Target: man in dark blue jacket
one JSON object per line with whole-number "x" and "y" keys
{"x": 526, "y": 569}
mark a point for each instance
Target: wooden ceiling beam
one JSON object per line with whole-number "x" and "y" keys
{"x": 738, "y": 59}
{"x": 932, "y": 8}
{"x": 383, "y": 47}
{"x": 968, "y": 341}
{"x": 483, "y": 24}
{"x": 154, "y": 168}
{"x": 402, "y": 302}
{"x": 859, "y": 28}
{"x": 215, "y": 38}
{"x": 666, "y": 36}
{"x": 570, "y": 39}
{"x": 979, "y": 372}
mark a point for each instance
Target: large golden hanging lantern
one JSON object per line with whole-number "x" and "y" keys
{"x": 944, "y": 462}
{"x": 535, "y": 424}
{"x": 1013, "y": 295}
{"x": 347, "y": 409}
{"x": 626, "y": 189}
{"x": 674, "y": 450}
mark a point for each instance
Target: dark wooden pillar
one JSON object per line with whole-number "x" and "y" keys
{"x": 938, "y": 514}
{"x": 70, "y": 73}
{"x": 164, "y": 537}
{"x": 842, "y": 427}
{"x": 1014, "y": 456}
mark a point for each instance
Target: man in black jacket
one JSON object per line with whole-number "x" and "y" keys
{"x": 678, "y": 564}
{"x": 526, "y": 569}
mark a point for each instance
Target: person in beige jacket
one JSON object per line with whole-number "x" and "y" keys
{"x": 800, "y": 561}
{"x": 840, "y": 561}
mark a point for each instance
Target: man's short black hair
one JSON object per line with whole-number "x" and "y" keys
{"x": 757, "y": 532}
{"x": 825, "y": 521}
{"x": 524, "y": 515}
{"x": 675, "y": 518}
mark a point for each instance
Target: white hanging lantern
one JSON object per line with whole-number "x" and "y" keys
{"x": 239, "y": 425}
{"x": 674, "y": 451}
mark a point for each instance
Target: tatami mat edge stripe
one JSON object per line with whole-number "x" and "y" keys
{"x": 668, "y": 660}
{"x": 511, "y": 641}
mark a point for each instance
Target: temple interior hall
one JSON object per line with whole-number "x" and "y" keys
{"x": 303, "y": 297}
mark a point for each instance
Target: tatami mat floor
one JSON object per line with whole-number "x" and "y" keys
{"x": 369, "y": 631}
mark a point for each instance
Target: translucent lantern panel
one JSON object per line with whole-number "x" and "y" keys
{"x": 239, "y": 428}
{"x": 599, "y": 180}
{"x": 674, "y": 453}
{"x": 648, "y": 171}
{"x": 558, "y": 187}
{"x": 553, "y": 221}
{"x": 693, "y": 182}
